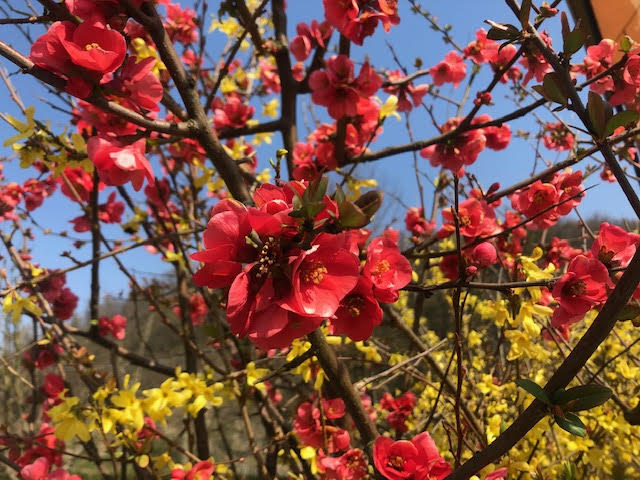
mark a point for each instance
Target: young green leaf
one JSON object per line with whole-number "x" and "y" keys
{"x": 572, "y": 424}
{"x": 534, "y": 389}
{"x": 621, "y": 119}
{"x": 582, "y": 397}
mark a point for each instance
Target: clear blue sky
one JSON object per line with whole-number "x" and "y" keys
{"x": 412, "y": 38}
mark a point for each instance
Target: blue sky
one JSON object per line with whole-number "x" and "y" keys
{"x": 411, "y": 39}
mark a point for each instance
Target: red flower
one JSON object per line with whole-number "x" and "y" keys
{"x": 52, "y": 385}
{"x": 475, "y": 217}
{"x": 202, "y": 470}
{"x": 336, "y": 87}
{"x": 198, "y": 309}
{"x": 358, "y": 19}
{"x": 116, "y": 326}
{"x": 416, "y": 223}
{"x": 309, "y": 37}
{"x": 225, "y": 246}
{"x": 39, "y": 470}
{"x": 417, "y": 459}
{"x": 65, "y": 304}
{"x": 504, "y": 57}
{"x": 409, "y": 96}
{"x": 499, "y": 474}
{"x": 614, "y": 246}
{"x": 558, "y": 137}
{"x": 497, "y": 138}
{"x": 232, "y": 113}
{"x": 456, "y": 152}
{"x": 180, "y": 24}
{"x": 348, "y": 466}
{"x": 322, "y": 276}
{"x": 333, "y": 408}
{"x": 138, "y": 84}
{"x": 253, "y": 311}
{"x": 451, "y": 70}
{"x": 119, "y": 163}
{"x": 358, "y": 313}
{"x": 399, "y": 409}
{"x": 569, "y": 186}
{"x": 81, "y": 181}
{"x": 580, "y": 289}
{"x": 308, "y": 426}
{"x": 599, "y": 58}
{"x": 535, "y": 199}
{"x": 535, "y": 62}
{"x": 561, "y": 252}
{"x": 95, "y": 47}
{"x": 483, "y": 49}
{"x": 387, "y": 268}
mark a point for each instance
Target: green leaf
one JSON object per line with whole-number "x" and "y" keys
{"x": 339, "y": 196}
{"x": 626, "y": 43}
{"x": 568, "y": 471}
{"x": 597, "y": 114}
{"x": 629, "y": 312}
{"x": 534, "y": 389}
{"x": 552, "y": 89}
{"x": 500, "y": 31}
{"x": 525, "y": 11}
{"x": 582, "y": 397}
{"x": 572, "y": 424}
{"x": 621, "y": 119}
{"x": 565, "y": 25}
{"x": 370, "y": 202}
{"x": 573, "y": 42}
{"x": 316, "y": 190}
{"x": 351, "y": 216}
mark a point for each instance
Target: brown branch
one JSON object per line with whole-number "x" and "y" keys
{"x": 338, "y": 375}
{"x": 59, "y": 83}
{"x": 186, "y": 86}
{"x": 288, "y": 86}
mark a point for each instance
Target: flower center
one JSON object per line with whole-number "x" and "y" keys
{"x": 605, "y": 256}
{"x": 354, "y": 305}
{"x": 268, "y": 256}
{"x": 314, "y": 273}
{"x": 576, "y": 288}
{"x": 382, "y": 267}
{"x": 465, "y": 220}
{"x": 539, "y": 197}
{"x": 91, "y": 46}
{"x": 396, "y": 462}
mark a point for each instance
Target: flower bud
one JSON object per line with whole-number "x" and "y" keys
{"x": 484, "y": 255}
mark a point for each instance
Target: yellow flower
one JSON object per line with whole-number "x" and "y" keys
{"x": 67, "y": 424}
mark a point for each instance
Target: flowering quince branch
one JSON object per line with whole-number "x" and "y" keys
{"x": 590, "y": 341}
{"x": 27, "y": 66}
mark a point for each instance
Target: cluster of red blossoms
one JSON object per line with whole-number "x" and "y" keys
{"x": 92, "y": 57}
{"x": 545, "y": 202}
{"x": 337, "y": 88}
{"x": 587, "y": 282}
{"x": 287, "y": 270}
{"x": 417, "y": 224}
{"x": 464, "y": 148}
{"x": 318, "y": 155}
{"x": 623, "y": 84}
{"x": 358, "y": 19}
{"x": 40, "y": 470}
{"x": 399, "y": 409}
{"x": 558, "y": 137}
